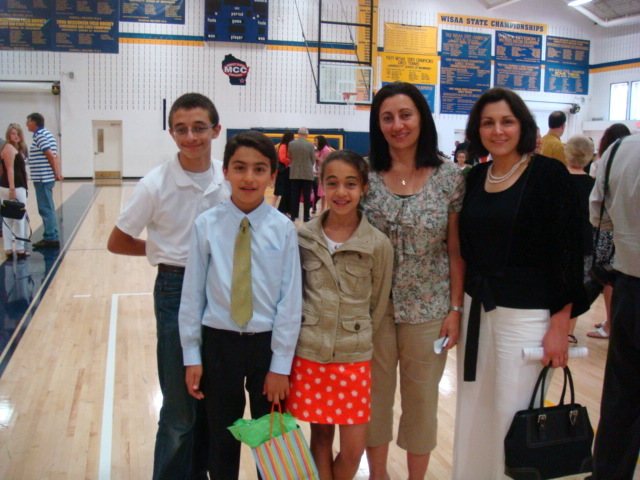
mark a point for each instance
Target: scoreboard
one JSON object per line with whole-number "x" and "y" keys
{"x": 245, "y": 21}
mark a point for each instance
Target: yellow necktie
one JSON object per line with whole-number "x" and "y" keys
{"x": 241, "y": 296}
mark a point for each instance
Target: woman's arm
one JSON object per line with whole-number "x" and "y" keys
{"x": 451, "y": 324}
{"x": 554, "y": 343}
{"x": 8, "y": 157}
{"x": 283, "y": 155}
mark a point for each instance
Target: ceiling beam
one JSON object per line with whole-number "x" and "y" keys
{"x": 608, "y": 23}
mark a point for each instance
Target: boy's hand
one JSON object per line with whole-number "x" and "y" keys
{"x": 192, "y": 377}
{"x": 276, "y": 387}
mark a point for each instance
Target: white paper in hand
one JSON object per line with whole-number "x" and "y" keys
{"x": 440, "y": 344}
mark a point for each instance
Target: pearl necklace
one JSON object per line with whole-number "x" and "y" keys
{"x": 492, "y": 179}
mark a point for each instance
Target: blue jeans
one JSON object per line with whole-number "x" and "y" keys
{"x": 181, "y": 445}
{"x": 47, "y": 209}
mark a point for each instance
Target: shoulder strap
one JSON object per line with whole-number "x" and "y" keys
{"x": 607, "y": 171}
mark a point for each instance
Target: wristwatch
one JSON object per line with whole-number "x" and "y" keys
{"x": 457, "y": 309}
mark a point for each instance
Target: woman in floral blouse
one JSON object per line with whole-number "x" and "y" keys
{"x": 415, "y": 198}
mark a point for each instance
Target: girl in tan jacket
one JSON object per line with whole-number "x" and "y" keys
{"x": 347, "y": 267}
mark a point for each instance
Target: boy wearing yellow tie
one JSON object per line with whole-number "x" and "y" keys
{"x": 241, "y": 300}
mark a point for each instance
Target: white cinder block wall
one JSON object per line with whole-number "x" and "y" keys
{"x": 280, "y": 91}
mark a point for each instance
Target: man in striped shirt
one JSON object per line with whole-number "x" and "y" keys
{"x": 44, "y": 165}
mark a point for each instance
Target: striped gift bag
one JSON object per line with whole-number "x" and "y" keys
{"x": 285, "y": 457}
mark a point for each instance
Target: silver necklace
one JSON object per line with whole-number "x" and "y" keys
{"x": 492, "y": 179}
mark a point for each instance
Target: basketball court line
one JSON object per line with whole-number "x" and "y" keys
{"x": 106, "y": 437}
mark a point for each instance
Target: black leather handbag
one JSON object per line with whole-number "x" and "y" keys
{"x": 549, "y": 442}
{"x": 13, "y": 209}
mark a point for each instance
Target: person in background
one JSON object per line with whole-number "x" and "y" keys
{"x": 552, "y": 146}
{"x": 579, "y": 152}
{"x": 282, "y": 187}
{"x": 331, "y": 374}
{"x": 414, "y": 198}
{"x": 13, "y": 186}
{"x": 44, "y": 165}
{"x": 538, "y": 141}
{"x": 303, "y": 158}
{"x": 605, "y": 248}
{"x": 461, "y": 161}
{"x": 617, "y": 442}
{"x": 166, "y": 202}
{"x": 322, "y": 150}
{"x": 521, "y": 240}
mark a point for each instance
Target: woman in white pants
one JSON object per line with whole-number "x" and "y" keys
{"x": 13, "y": 186}
{"x": 521, "y": 240}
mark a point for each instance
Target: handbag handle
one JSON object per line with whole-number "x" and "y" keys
{"x": 541, "y": 381}
{"x": 271, "y": 419}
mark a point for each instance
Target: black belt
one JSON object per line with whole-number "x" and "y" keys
{"x": 481, "y": 294}
{"x": 234, "y": 333}
{"x": 163, "y": 267}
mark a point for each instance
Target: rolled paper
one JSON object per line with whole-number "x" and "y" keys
{"x": 536, "y": 353}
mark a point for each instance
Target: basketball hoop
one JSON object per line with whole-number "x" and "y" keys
{"x": 349, "y": 98}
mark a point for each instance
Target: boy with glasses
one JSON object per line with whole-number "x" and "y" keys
{"x": 167, "y": 201}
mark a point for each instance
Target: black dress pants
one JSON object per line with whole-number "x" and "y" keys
{"x": 296, "y": 187}
{"x": 229, "y": 359}
{"x": 617, "y": 441}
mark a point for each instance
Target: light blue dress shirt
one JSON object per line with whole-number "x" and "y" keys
{"x": 276, "y": 281}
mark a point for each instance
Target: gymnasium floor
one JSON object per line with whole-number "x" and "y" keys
{"x": 79, "y": 395}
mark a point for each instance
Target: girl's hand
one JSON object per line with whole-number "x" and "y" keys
{"x": 12, "y": 193}
{"x": 451, "y": 327}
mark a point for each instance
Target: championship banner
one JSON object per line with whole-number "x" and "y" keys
{"x": 517, "y": 64}
{"x": 149, "y": 11}
{"x": 410, "y": 39}
{"x": 492, "y": 23}
{"x": 367, "y": 39}
{"x": 422, "y": 69}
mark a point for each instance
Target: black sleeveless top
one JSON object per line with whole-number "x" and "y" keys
{"x": 19, "y": 173}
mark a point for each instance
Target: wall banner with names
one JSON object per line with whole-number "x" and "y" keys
{"x": 86, "y": 27}
{"x": 492, "y": 23}
{"x": 410, "y": 39}
{"x": 63, "y": 26}
{"x": 401, "y": 67}
{"x": 465, "y": 44}
{"x": 245, "y": 21}
{"x": 566, "y": 79}
{"x": 465, "y": 70}
{"x": 367, "y": 44}
{"x": 427, "y": 91}
{"x": 568, "y": 51}
{"x": 150, "y": 11}
{"x": 567, "y": 66}
{"x": 517, "y": 76}
{"x": 518, "y": 61}
{"x": 458, "y": 100}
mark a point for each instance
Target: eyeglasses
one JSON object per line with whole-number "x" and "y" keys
{"x": 195, "y": 130}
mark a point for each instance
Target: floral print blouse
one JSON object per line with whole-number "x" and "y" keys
{"x": 417, "y": 227}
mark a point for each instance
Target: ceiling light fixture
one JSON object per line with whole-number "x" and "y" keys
{"x": 576, "y": 3}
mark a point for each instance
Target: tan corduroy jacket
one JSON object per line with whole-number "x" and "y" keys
{"x": 345, "y": 294}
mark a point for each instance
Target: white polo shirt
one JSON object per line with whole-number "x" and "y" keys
{"x": 167, "y": 201}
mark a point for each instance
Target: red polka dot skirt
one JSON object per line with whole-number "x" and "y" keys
{"x": 330, "y": 393}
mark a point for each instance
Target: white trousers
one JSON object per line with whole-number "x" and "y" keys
{"x": 504, "y": 384}
{"x": 19, "y": 227}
